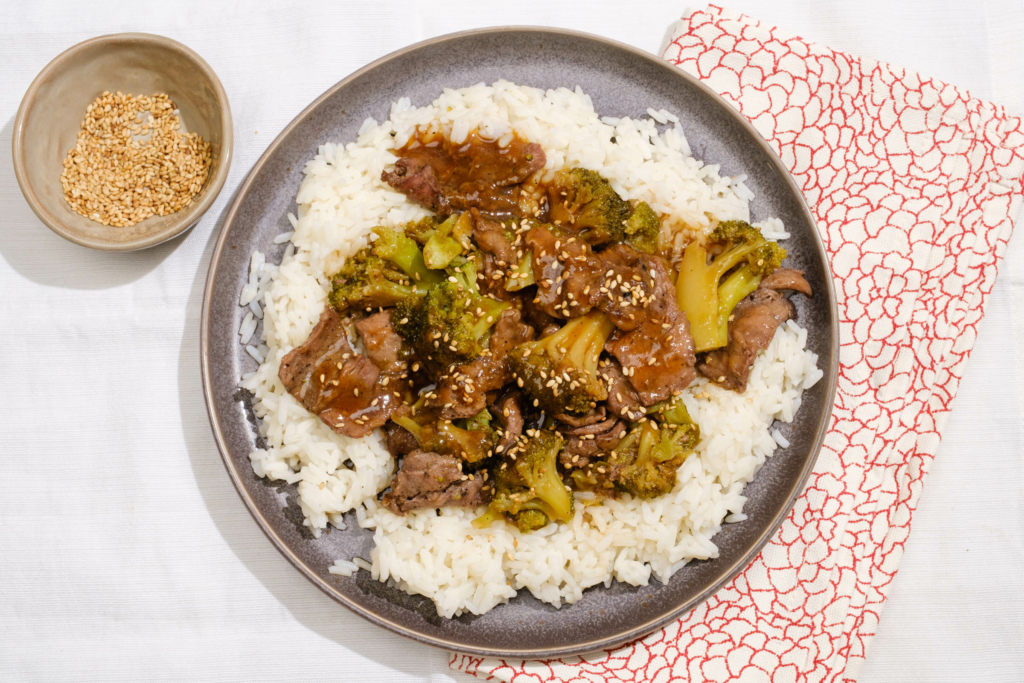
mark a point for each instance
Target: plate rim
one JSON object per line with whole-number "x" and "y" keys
{"x": 622, "y": 637}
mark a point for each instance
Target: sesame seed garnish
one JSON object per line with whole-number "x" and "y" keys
{"x": 115, "y": 178}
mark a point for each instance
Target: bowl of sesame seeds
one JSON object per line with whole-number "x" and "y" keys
{"x": 123, "y": 141}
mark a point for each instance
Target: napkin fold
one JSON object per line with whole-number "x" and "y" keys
{"x": 914, "y": 185}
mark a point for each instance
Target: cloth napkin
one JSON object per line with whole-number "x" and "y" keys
{"x": 914, "y": 186}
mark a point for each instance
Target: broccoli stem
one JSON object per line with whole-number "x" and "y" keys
{"x": 582, "y": 340}
{"x": 697, "y": 295}
{"x": 410, "y": 425}
{"x": 697, "y": 290}
{"x": 448, "y": 241}
{"x": 491, "y": 311}
{"x": 522, "y": 275}
{"x": 733, "y": 290}
{"x": 649, "y": 437}
{"x": 405, "y": 253}
{"x": 490, "y": 516}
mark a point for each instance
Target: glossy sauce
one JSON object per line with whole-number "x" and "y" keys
{"x": 478, "y": 173}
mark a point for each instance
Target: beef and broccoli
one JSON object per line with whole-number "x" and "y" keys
{"x": 529, "y": 340}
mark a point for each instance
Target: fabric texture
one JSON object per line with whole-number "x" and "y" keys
{"x": 914, "y": 185}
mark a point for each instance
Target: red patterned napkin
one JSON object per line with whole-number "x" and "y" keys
{"x": 914, "y": 185}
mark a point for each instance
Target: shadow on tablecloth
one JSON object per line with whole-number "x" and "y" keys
{"x": 39, "y": 254}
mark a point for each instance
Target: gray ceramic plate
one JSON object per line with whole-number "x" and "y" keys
{"x": 622, "y": 82}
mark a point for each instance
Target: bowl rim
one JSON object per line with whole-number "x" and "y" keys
{"x": 188, "y": 217}
{"x": 621, "y": 637}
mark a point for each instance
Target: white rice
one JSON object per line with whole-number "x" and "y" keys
{"x": 441, "y": 555}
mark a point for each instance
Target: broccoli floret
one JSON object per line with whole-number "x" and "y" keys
{"x": 480, "y": 421}
{"x": 421, "y": 230}
{"x": 394, "y": 246}
{"x": 368, "y": 280}
{"x": 651, "y": 456}
{"x": 643, "y": 229}
{"x": 452, "y": 324}
{"x": 559, "y": 372}
{"x": 471, "y": 439}
{"x": 528, "y": 481}
{"x": 583, "y": 201}
{"x": 672, "y": 412}
{"x": 706, "y": 289}
{"x": 529, "y": 520}
{"x": 448, "y": 240}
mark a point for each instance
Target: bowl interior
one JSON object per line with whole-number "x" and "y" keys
{"x": 52, "y": 116}
{"x": 621, "y": 82}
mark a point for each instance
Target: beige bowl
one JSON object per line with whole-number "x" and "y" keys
{"x": 51, "y": 115}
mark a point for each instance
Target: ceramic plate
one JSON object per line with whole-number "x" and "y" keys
{"x": 622, "y": 81}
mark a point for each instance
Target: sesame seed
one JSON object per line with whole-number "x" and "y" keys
{"x": 113, "y": 178}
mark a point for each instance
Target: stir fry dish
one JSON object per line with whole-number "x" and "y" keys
{"x": 530, "y": 339}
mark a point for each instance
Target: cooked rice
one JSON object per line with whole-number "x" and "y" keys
{"x": 442, "y": 556}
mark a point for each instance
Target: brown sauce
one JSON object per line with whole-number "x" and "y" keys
{"x": 477, "y": 173}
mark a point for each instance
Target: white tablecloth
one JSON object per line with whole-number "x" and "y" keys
{"x": 125, "y": 553}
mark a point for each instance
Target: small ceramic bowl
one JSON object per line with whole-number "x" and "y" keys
{"x": 51, "y": 114}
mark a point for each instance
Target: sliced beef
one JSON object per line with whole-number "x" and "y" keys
{"x": 335, "y": 383}
{"x": 599, "y": 414}
{"x": 399, "y": 439}
{"x": 638, "y": 286}
{"x": 584, "y": 443}
{"x": 383, "y": 345}
{"x": 543, "y": 323}
{"x": 373, "y": 411}
{"x": 572, "y": 279}
{"x": 590, "y": 429}
{"x": 499, "y": 256}
{"x": 660, "y": 361}
{"x": 491, "y": 280}
{"x": 463, "y": 391}
{"x": 477, "y": 173}
{"x": 508, "y": 412}
{"x": 658, "y": 355}
{"x": 754, "y": 322}
{"x": 786, "y": 278}
{"x": 490, "y": 236}
{"x": 429, "y": 480}
{"x": 415, "y": 179}
{"x": 622, "y": 397}
{"x": 568, "y": 275}
{"x": 298, "y": 366}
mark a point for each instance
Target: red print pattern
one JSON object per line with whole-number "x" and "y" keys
{"x": 914, "y": 185}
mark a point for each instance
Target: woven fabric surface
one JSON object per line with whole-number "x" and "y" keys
{"x": 914, "y": 185}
